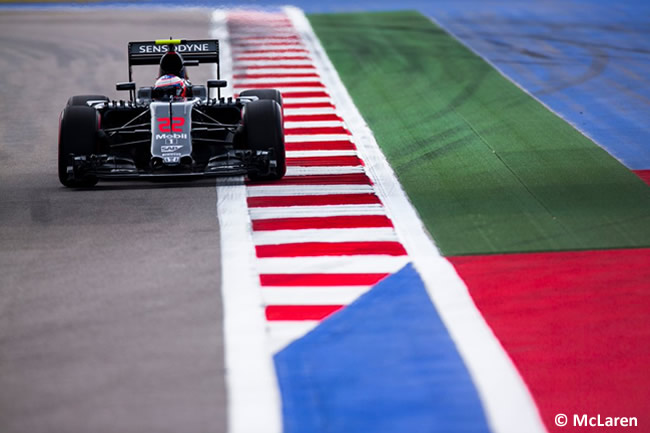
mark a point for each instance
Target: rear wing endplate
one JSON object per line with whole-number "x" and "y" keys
{"x": 150, "y": 52}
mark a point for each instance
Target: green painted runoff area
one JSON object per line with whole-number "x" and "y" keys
{"x": 488, "y": 168}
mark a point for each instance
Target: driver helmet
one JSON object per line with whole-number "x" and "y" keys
{"x": 170, "y": 86}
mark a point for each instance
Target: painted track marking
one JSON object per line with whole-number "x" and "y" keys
{"x": 287, "y": 313}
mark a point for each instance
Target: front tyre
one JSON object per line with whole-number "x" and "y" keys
{"x": 264, "y": 131}
{"x": 78, "y": 128}
{"x": 82, "y": 100}
{"x": 271, "y": 94}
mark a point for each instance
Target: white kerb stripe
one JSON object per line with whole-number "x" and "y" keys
{"x": 284, "y": 89}
{"x": 267, "y": 45}
{"x": 309, "y": 111}
{"x": 299, "y": 138}
{"x": 268, "y": 36}
{"x": 294, "y": 190}
{"x": 313, "y": 124}
{"x": 508, "y": 404}
{"x": 270, "y": 50}
{"x": 343, "y": 264}
{"x": 266, "y": 33}
{"x": 290, "y": 99}
{"x": 264, "y": 80}
{"x": 312, "y": 295}
{"x": 316, "y": 171}
{"x": 312, "y": 153}
{"x": 316, "y": 211}
{"x": 238, "y": 69}
{"x": 242, "y": 63}
{"x": 275, "y": 237}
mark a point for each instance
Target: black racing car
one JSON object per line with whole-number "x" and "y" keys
{"x": 174, "y": 128}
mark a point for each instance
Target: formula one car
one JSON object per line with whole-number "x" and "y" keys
{"x": 172, "y": 129}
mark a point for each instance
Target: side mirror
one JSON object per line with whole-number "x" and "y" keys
{"x": 128, "y": 85}
{"x": 217, "y": 83}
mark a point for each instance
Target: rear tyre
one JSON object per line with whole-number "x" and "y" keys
{"x": 271, "y": 94}
{"x": 264, "y": 131}
{"x": 83, "y": 100}
{"x": 78, "y": 136}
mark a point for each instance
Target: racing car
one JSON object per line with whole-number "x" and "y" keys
{"x": 174, "y": 128}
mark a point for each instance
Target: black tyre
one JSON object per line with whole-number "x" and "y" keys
{"x": 83, "y": 99}
{"x": 271, "y": 94}
{"x": 264, "y": 131}
{"x": 78, "y": 136}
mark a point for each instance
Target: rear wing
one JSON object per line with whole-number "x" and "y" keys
{"x": 150, "y": 52}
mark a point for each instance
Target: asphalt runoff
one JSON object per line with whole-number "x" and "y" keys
{"x": 110, "y": 309}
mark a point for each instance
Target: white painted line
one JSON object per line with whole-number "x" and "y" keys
{"x": 316, "y": 211}
{"x": 282, "y": 333}
{"x": 342, "y": 264}
{"x": 508, "y": 404}
{"x": 314, "y": 171}
{"x": 308, "y": 153}
{"x": 275, "y": 237}
{"x": 295, "y": 190}
{"x": 250, "y": 373}
{"x": 312, "y": 295}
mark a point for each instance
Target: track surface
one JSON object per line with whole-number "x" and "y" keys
{"x": 110, "y": 310}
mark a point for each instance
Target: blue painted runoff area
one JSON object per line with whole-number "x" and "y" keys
{"x": 385, "y": 363}
{"x": 588, "y": 61}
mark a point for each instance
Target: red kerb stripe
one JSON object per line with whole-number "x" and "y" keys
{"x": 316, "y": 94}
{"x": 260, "y": 58}
{"x": 300, "y": 312}
{"x": 272, "y": 50}
{"x": 313, "y": 200}
{"x": 317, "y": 131}
{"x": 258, "y": 44}
{"x": 334, "y": 222}
{"x": 314, "y": 249}
{"x": 265, "y": 38}
{"x": 318, "y": 179}
{"x": 325, "y": 161}
{"x": 312, "y": 117}
{"x": 276, "y": 75}
{"x": 321, "y": 145}
{"x": 276, "y": 66}
{"x": 320, "y": 280}
{"x": 308, "y": 105}
{"x": 274, "y": 85}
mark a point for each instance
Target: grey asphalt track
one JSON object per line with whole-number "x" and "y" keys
{"x": 110, "y": 309}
